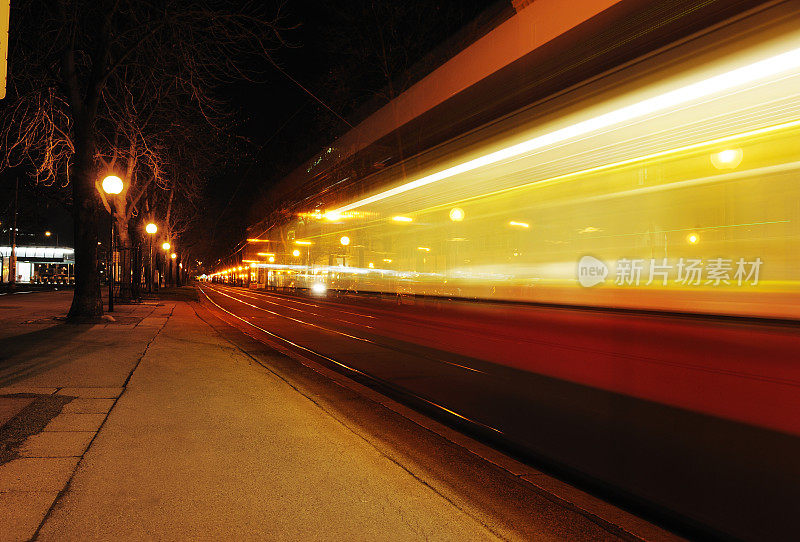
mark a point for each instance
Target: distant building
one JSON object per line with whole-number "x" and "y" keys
{"x": 40, "y": 265}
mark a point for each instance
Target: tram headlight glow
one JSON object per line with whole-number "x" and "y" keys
{"x": 318, "y": 288}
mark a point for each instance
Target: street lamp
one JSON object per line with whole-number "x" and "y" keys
{"x": 151, "y": 229}
{"x": 165, "y": 246}
{"x": 112, "y": 185}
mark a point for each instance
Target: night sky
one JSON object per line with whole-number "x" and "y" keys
{"x": 334, "y": 51}
{"x": 343, "y": 52}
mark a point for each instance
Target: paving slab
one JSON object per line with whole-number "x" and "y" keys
{"x": 36, "y": 474}
{"x": 93, "y": 393}
{"x": 57, "y": 444}
{"x": 11, "y": 406}
{"x": 22, "y": 512}
{"x": 89, "y": 405}
{"x": 11, "y": 390}
{"x": 70, "y": 421}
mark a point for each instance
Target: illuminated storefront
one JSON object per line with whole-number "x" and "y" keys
{"x": 40, "y": 265}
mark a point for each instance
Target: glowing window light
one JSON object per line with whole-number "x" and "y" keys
{"x": 387, "y": 260}
{"x": 371, "y": 265}
{"x": 345, "y": 240}
{"x": 727, "y": 159}
{"x": 519, "y": 224}
{"x": 304, "y": 243}
{"x": 693, "y": 238}
{"x": 456, "y": 214}
{"x": 333, "y": 216}
{"x": 265, "y": 254}
{"x": 272, "y": 259}
{"x": 424, "y": 249}
{"x": 719, "y": 83}
{"x": 402, "y": 219}
{"x": 295, "y": 253}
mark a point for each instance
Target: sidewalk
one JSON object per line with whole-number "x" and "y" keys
{"x": 86, "y": 367}
{"x": 176, "y": 433}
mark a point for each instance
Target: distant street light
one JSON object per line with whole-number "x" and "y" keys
{"x": 167, "y": 264}
{"x": 344, "y": 240}
{"x": 47, "y": 233}
{"x": 112, "y": 185}
{"x": 151, "y": 230}
{"x": 172, "y": 256}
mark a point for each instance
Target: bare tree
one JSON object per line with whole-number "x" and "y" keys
{"x": 81, "y": 70}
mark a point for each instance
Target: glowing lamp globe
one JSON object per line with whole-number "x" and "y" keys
{"x": 151, "y": 228}
{"x": 344, "y": 240}
{"x": 166, "y": 246}
{"x": 112, "y": 185}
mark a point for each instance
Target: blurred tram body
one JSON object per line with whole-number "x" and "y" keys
{"x": 674, "y": 181}
{"x": 689, "y": 155}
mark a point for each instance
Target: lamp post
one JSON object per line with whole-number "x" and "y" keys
{"x": 151, "y": 230}
{"x": 112, "y": 185}
{"x": 165, "y": 246}
{"x": 173, "y": 275}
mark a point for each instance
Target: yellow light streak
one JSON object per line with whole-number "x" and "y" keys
{"x": 627, "y": 162}
{"x": 730, "y": 80}
{"x": 402, "y": 219}
{"x": 519, "y": 224}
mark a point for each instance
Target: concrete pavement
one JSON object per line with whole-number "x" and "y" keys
{"x": 69, "y": 376}
{"x": 203, "y": 436}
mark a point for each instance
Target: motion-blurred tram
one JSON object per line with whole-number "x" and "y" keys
{"x": 676, "y": 177}
{"x": 669, "y": 184}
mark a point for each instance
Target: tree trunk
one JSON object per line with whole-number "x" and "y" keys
{"x": 87, "y": 302}
{"x": 124, "y": 249}
{"x": 136, "y": 265}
